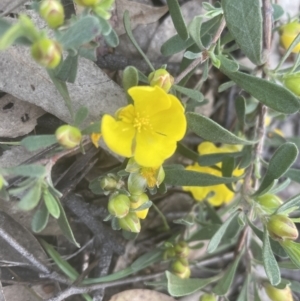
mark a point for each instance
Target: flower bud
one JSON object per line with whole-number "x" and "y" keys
{"x": 276, "y": 294}
{"x": 108, "y": 183}
{"x": 208, "y": 297}
{"x": 130, "y": 223}
{"x": 292, "y": 82}
{"x": 280, "y": 227}
{"x": 68, "y": 136}
{"x": 269, "y": 202}
{"x": 47, "y": 53}
{"x": 161, "y": 78}
{"x": 87, "y": 2}
{"x": 181, "y": 268}
{"x": 52, "y": 12}
{"x": 288, "y": 33}
{"x": 2, "y": 182}
{"x": 136, "y": 202}
{"x": 119, "y": 205}
{"x": 182, "y": 249}
{"x": 169, "y": 253}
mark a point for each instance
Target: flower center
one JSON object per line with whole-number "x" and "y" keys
{"x": 150, "y": 175}
{"x": 141, "y": 123}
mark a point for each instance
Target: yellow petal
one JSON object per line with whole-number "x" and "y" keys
{"x": 152, "y": 149}
{"x": 148, "y": 101}
{"x": 118, "y": 135}
{"x": 171, "y": 122}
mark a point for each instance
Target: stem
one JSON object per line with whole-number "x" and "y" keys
{"x": 164, "y": 220}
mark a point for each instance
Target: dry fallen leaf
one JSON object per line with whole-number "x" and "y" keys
{"x": 141, "y": 295}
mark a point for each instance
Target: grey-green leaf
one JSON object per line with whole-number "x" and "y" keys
{"x": 178, "y": 287}
{"x": 51, "y": 203}
{"x": 177, "y": 19}
{"x": 32, "y": 197}
{"x": 268, "y": 93}
{"x": 130, "y": 79}
{"x": 292, "y": 202}
{"x": 191, "y": 93}
{"x": 112, "y": 39}
{"x": 212, "y": 131}
{"x": 279, "y": 164}
{"x": 216, "y": 239}
{"x": 175, "y": 44}
{"x": 68, "y": 69}
{"x": 40, "y": 219}
{"x": 293, "y": 250}
{"x": 270, "y": 263}
{"x": 194, "y": 29}
{"x": 33, "y": 143}
{"x": 194, "y": 178}
{"x": 32, "y": 170}
{"x": 81, "y": 115}
{"x": 244, "y": 21}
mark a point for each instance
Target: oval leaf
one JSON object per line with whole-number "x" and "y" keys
{"x": 33, "y": 143}
{"x": 211, "y": 131}
{"x": 52, "y": 204}
{"x": 31, "y": 199}
{"x": 244, "y": 21}
{"x": 193, "y": 94}
{"x": 40, "y": 219}
{"x": 292, "y": 202}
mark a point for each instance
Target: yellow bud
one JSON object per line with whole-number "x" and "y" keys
{"x": 182, "y": 249}
{"x": 270, "y": 202}
{"x": 280, "y": 227}
{"x": 119, "y": 205}
{"x": 292, "y": 82}
{"x": 68, "y": 136}
{"x": 87, "y": 2}
{"x": 208, "y": 297}
{"x": 130, "y": 223}
{"x": 1, "y": 182}
{"x": 181, "y": 268}
{"x": 52, "y": 12}
{"x": 276, "y": 294}
{"x": 161, "y": 78}
{"x": 136, "y": 202}
{"x": 288, "y": 33}
{"x": 108, "y": 183}
{"x": 47, "y": 53}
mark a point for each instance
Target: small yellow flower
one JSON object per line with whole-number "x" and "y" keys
{"x": 217, "y": 194}
{"x": 149, "y": 129}
{"x": 288, "y": 34}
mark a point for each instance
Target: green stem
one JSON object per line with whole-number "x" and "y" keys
{"x": 164, "y": 220}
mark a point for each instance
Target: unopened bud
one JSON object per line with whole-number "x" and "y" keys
{"x": 182, "y": 249}
{"x": 169, "y": 253}
{"x": 138, "y": 201}
{"x": 130, "y": 223}
{"x": 292, "y": 82}
{"x": 288, "y": 33}
{"x": 181, "y": 268}
{"x": 119, "y": 205}
{"x": 269, "y": 202}
{"x": 47, "y": 53}
{"x": 280, "y": 227}
{"x": 1, "y": 182}
{"x": 276, "y": 294}
{"x": 208, "y": 297}
{"x": 52, "y": 12}
{"x": 108, "y": 183}
{"x": 161, "y": 78}
{"x": 68, "y": 136}
{"x": 87, "y": 2}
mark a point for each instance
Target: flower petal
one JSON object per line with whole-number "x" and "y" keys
{"x": 149, "y": 101}
{"x": 117, "y": 135}
{"x": 171, "y": 122}
{"x": 152, "y": 149}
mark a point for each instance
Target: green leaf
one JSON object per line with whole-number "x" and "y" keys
{"x": 81, "y": 115}
{"x": 294, "y": 174}
{"x": 293, "y": 250}
{"x": 225, "y": 282}
{"x": 279, "y": 164}
{"x": 281, "y": 186}
{"x": 194, "y": 29}
{"x": 278, "y": 12}
{"x": 51, "y": 203}
{"x": 177, "y": 19}
{"x": 144, "y": 206}
{"x": 33, "y": 143}
{"x": 175, "y": 44}
{"x": 228, "y": 64}
{"x": 32, "y": 170}
{"x": 178, "y": 287}
{"x": 194, "y": 178}
{"x": 40, "y": 219}
{"x": 244, "y": 21}
{"x": 212, "y": 131}
{"x": 65, "y": 226}
{"x": 147, "y": 259}
{"x": 112, "y": 39}
{"x": 213, "y": 215}
{"x": 205, "y": 233}
{"x": 32, "y": 197}
{"x": 191, "y": 93}
{"x": 295, "y": 286}
{"x": 130, "y": 79}
{"x": 240, "y": 108}
{"x": 216, "y": 239}
{"x": 243, "y": 296}
{"x": 104, "y": 25}
{"x": 270, "y": 263}
{"x": 268, "y": 93}
{"x": 225, "y": 86}
{"x": 291, "y": 203}
{"x": 92, "y": 128}
{"x": 68, "y": 69}
{"x": 82, "y": 31}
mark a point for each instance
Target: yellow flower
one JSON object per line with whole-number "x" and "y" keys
{"x": 217, "y": 194}
{"x": 95, "y": 137}
{"x": 288, "y": 34}
{"x": 147, "y": 130}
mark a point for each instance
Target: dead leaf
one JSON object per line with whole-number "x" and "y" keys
{"x": 141, "y": 295}
{"x": 17, "y": 117}
{"x": 19, "y": 293}
{"x": 140, "y": 14}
